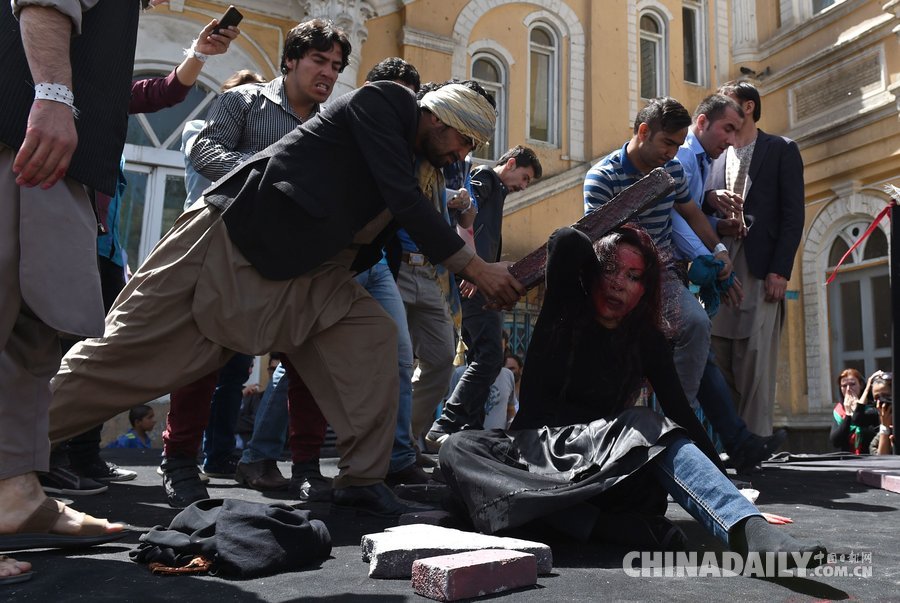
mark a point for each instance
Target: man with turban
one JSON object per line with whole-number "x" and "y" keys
{"x": 265, "y": 261}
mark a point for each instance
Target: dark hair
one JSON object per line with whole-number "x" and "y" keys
{"x": 395, "y": 69}
{"x": 664, "y": 113}
{"x": 239, "y": 78}
{"x": 648, "y": 311}
{"x": 138, "y": 413}
{"x": 745, "y": 91}
{"x": 471, "y": 84}
{"x": 315, "y": 34}
{"x": 524, "y": 157}
{"x": 515, "y": 357}
{"x": 715, "y": 105}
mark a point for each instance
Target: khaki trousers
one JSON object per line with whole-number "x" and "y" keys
{"x": 196, "y": 300}
{"x": 745, "y": 341}
{"x": 49, "y": 283}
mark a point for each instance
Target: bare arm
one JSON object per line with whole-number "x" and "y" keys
{"x": 209, "y": 44}
{"x": 50, "y": 136}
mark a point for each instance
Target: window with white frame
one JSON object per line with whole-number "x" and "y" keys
{"x": 491, "y": 73}
{"x": 859, "y": 302}
{"x": 820, "y": 5}
{"x": 543, "y": 91}
{"x": 154, "y": 169}
{"x": 692, "y": 17}
{"x": 653, "y": 55}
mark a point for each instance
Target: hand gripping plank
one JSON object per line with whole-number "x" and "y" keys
{"x": 638, "y": 197}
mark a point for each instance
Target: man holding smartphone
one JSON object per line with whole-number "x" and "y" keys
{"x": 244, "y": 120}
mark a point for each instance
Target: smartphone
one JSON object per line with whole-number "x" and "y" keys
{"x": 231, "y": 17}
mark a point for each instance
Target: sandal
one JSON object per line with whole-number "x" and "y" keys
{"x": 15, "y": 578}
{"x": 37, "y": 531}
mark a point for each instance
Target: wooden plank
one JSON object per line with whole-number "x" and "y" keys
{"x": 635, "y": 199}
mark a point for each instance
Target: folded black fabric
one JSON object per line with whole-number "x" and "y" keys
{"x": 244, "y": 539}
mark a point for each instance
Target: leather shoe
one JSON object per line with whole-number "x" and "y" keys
{"x": 262, "y": 475}
{"x": 307, "y": 482}
{"x": 377, "y": 500}
{"x": 410, "y": 475}
{"x": 756, "y": 450}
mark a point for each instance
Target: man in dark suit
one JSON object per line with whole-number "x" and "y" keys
{"x": 268, "y": 263}
{"x": 759, "y": 186}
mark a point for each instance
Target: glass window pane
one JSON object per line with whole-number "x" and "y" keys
{"x": 881, "y": 310}
{"x": 820, "y": 5}
{"x": 851, "y": 316}
{"x": 485, "y": 70}
{"x": 649, "y": 24}
{"x": 689, "y": 17}
{"x": 131, "y": 215}
{"x": 539, "y": 36}
{"x": 167, "y": 121}
{"x": 876, "y": 245}
{"x": 540, "y": 97}
{"x": 648, "y": 69}
{"x": 136, "y": 134}
{"x": 173, "y": 204}
{"x": 838, "y": 249}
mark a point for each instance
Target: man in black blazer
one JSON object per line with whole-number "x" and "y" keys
{"x": 268, "y": 264}
{"x": 759, "y": 186}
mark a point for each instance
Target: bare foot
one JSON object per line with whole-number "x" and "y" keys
{"x": 21, "y": 495}
{"x": 11, "y": 567}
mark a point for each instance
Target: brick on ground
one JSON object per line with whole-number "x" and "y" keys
{"x": 391, "y": 553}
{"x": 473, "y": 574}
{"x": 879, "y": 479}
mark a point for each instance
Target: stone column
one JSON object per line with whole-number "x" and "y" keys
{"x": 351, "y": 16}
{"x": 743, "y": 24}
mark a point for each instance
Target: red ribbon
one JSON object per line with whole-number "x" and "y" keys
{"x": 878, "y": 218}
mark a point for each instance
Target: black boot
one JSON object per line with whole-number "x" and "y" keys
{"x": 181, "y": 480}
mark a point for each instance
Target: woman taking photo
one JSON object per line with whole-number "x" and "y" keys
{"x": 580, "y": 458}
{"x": 855, "y": 419}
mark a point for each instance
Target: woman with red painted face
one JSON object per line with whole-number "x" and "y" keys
{"x": 580, "y": 457}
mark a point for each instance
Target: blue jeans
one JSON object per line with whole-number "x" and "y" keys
{"x": 380, "y": 284}
{"x": 701, "y": 489}
{"x": 715, "y": 398}
{"x": 270, "y": 423}
{"x": 218, "y": 439}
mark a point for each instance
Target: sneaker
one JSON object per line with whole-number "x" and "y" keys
{"x": 181, "y": 481}
{"x": 60, "y": 480}
{"x": 104, "y": 471}
{"x": 223, "y": 469}
{"x": 203, "y": 477}
{"x": 307, "y": 482}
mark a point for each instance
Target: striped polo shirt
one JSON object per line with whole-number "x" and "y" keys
{"x": 614, "y": 173}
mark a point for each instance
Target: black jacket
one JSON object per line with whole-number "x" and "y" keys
{"x": 302, "y": 200}
{"x": 490, "y": 194}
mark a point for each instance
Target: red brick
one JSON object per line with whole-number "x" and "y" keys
{"x": 473, "y": 574}
{"x": 879, "y": 479}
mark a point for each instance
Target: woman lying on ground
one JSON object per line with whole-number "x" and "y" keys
{"x": 579, "y": 457}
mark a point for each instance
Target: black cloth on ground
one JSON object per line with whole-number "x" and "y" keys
{"x": 244, "y": 539}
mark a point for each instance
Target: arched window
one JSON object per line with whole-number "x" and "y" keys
{"x": 543, "y": 90}
{"x": 491, "y": 73}
{"x": 154, "y": 168}
{"x": 653, "y": 56}
{"x": 859, "y": 302}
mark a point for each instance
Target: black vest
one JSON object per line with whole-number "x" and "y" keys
{"x": 102, "y": 63}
